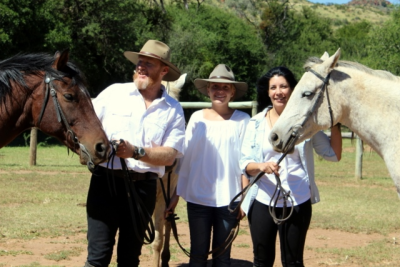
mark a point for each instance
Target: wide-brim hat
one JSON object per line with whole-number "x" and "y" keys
{"x": 221, "y": 74}
{"x": 158, "y": 50}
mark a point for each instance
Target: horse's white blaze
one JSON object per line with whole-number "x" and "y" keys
{"x": 367, "y": 101}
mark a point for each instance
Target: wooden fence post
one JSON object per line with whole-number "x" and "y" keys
{"x": 33, "y": 147}
{"x": 359, "y": 157}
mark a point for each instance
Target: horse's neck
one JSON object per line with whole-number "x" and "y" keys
{"x": 370, "y": 108}
{"x": 16, "y": 113}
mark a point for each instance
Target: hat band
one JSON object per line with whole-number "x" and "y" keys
{"x": 222, "y": 77}
{"x": 150, "y": 54}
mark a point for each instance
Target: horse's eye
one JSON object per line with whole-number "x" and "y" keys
{"x": 307, "y": 94}
{"x": 68, "y": 97}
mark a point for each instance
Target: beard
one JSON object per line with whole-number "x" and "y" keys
{"x": 143, "y": 84}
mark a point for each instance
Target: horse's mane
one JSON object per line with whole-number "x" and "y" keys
{"x": 354, "y": 65}
{"x": 16, "y": 68}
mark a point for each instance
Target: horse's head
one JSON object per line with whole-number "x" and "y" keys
{"x": 175, "y": 87}
{"x": 307, "y": 110}
{"x": 63, "y": 108}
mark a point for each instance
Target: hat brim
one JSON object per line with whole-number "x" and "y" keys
{"x": 173, "y": 73}
{"x": 201, "y": 85}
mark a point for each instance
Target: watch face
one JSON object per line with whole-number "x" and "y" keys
{"x": 141, "y": 151}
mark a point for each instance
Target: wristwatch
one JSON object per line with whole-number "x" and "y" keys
{"x": 138, "y": 152}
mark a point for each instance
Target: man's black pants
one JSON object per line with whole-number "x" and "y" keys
{"x": 108, "y": 210}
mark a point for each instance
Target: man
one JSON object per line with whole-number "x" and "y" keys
{"x": 150, "y": 127}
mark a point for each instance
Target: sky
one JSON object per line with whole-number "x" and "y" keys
{"x": 330, "y": 1}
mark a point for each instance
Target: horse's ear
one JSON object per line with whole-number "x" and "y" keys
{"x": 333, "y": 60}
{"x": 325, "y": 56}
{"x": 181, "y": 81}
{"x": 61, "y": 59}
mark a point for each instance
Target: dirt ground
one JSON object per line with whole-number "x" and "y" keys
{"x": 36, "y": 252}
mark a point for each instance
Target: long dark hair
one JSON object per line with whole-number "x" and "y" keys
{"x": 263, "y": 99}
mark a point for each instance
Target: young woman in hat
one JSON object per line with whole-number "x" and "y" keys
{"x": 209, "y": 173}
{"x": 296, "y": 174}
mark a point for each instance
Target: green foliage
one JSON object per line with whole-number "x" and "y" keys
{"x": 251, "y": 36}
{"x": 384, "y": 48}
{"x": 201, "y": 39}
{"x": 353, "y": 39}
{"x": 23, "y": 26}
{"x": 299, "y": 36}
{"x": 98, "y": 32}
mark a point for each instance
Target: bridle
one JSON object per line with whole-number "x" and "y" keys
{"x": 49, "y": 87}
{"x": 325, "y": 82}
{"x": 279, "y": 190}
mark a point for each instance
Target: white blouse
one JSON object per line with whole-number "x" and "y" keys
{"x": 291, "y": 173}
{"x": 209, "y": 172}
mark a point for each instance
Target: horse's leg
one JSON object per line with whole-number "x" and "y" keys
{"x": 166, "y": 254}
{"x": 158, "y": 219}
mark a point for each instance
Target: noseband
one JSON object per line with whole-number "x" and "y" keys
{"x": 49, "y": 87}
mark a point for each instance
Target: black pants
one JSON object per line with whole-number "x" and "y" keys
{"x": 292, "y": 234}
{"x": 108, "y": 210}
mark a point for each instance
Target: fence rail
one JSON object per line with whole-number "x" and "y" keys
{"x": 236, "y": 105}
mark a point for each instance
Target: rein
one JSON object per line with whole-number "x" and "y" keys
{"x": 279, "y": 193}
{"x": 285, "y": 195}
{"x": 140, "y": 211}
{"x": 173, "y": 217}
{"x": 49, "y": 87}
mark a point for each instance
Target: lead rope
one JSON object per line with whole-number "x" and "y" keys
{"x": 172, "y": 219}
{"x": 279, "y": 190}
{"x": 145, "y": 222}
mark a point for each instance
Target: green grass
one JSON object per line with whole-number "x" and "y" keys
{"x": 43, "y": 200}
{"x": 64, "y": 254}
{"x": 47, "y": 200}
{"x": 370, "y": 205}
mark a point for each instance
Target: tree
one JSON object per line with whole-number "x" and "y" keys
{"x": 23, "y": 26}
{"x": 201, "y": 39}
{"x": 296, "y": 36}
{"x": 99, "y": 31}
{"x": 353, "y": 39}
{"x": 384, "y": 47}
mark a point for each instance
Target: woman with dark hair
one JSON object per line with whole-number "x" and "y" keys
{"x": 263, "y": 99}
{"x": 296, "y": 174}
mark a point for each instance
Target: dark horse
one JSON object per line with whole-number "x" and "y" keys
{"x": 26, "y": 84}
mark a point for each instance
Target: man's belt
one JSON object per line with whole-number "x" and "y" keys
{"x": 135, "y": 176}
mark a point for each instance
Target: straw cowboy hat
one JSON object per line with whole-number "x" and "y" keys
{"x": 221, "y": 74}
{"x": 158, "y": 50}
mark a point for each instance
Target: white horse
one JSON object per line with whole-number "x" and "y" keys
{"x": 365, "y": 100}
{"x": 161, "y": 243}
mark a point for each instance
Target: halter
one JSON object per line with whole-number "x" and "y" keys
{"x": 279, "y": 190}
{"x": 323, "y": 87}
{"x": 61, "y": 117}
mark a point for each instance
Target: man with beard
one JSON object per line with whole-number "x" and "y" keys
{"x": 147, "y": 127}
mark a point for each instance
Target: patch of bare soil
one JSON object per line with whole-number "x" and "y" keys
{"x": 71, "y": 251}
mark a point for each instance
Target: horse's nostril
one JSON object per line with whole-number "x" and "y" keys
{"x": 274, "y": 137}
